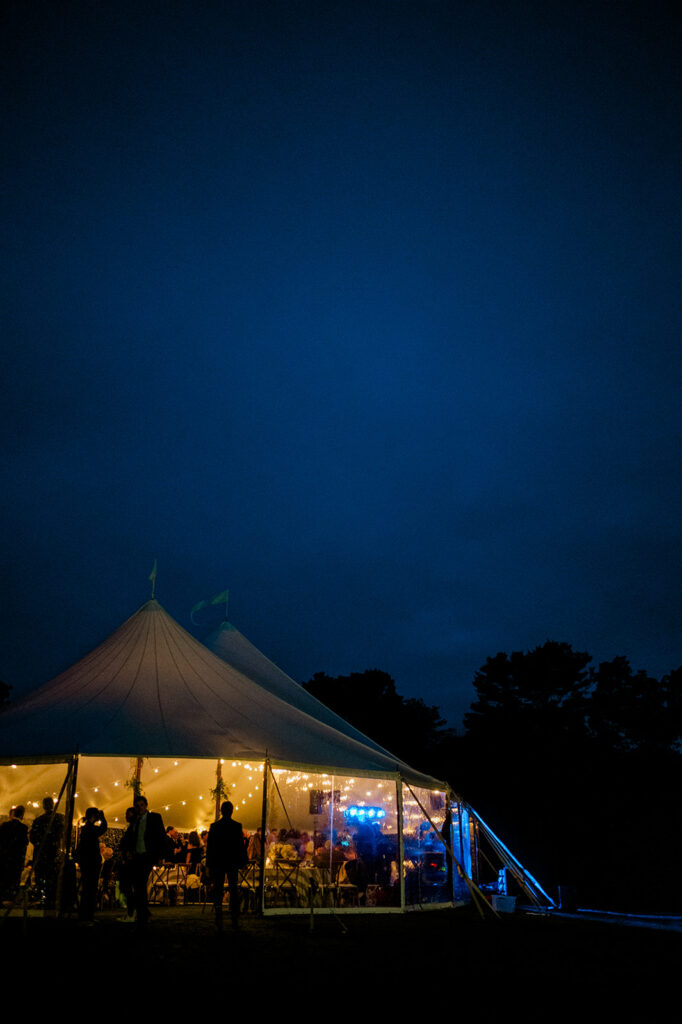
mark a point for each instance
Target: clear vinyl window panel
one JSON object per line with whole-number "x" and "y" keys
{"x": 335, "y": 836}
{"x": 426, "y": 866}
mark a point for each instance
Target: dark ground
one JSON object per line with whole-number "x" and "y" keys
{"x": 425, "y": 960}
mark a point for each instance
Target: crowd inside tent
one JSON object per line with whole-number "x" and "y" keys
{"x": 343, "y": 821}
{"x": 346, "y": 854}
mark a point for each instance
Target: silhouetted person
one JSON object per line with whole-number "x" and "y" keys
{"x": 225, "y": 854}
{"x": 46, "y": 833}
{"x": 89, "y": 858}
{"x": 147, "y": 844}
{"x": 124, "y": 867}
{"x": 13, "y": 843}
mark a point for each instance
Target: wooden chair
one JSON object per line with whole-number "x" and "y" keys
{"x": 249, "y": 882}
{"x": 286, "y": 882}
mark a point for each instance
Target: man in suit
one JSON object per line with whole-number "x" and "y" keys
{"x": 146, "y": 842}
{"x": 13, "y": 844}
{"x": 46, "y": 834}
{"x": 225, "y": 854}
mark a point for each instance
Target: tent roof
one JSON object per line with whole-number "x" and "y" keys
{"x": 152, "y": 689}
{"x": 234, "y": 648}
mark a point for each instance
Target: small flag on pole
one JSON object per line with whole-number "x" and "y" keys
{"x": 218, "y": 599}
{"x": 152, "y": 577}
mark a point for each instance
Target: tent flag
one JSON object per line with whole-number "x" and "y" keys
{"x": 152, "y": 577}
{"x": 218, "y": 599}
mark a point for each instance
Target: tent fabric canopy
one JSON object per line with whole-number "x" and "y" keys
{"x": 152, "y": 689}
{"x": 234, "y": 648}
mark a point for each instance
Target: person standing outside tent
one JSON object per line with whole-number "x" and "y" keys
{"x": 13, "y": 844}
{"x": 46, "y": 834}
{"x": 89, "y": 860}
{"x": 225, "y": 854}
{"x": 147, "y": 844}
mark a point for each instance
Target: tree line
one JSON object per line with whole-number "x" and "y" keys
{"x": 577, "y": 766}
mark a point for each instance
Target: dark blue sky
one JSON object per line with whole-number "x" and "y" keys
{"x": 367, "y": 311}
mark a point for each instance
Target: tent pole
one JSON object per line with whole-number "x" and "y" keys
{"x": 137, "y": 778}
{"x": 401, "y": 844}
{"x": 447, "y": 828}
{"x": 331, "y": 833}
{"x": 218, "y": 788}
{"x": 64, "y": 872}
{"x": 263, "y": 820}
{"x": 460, "y": 811}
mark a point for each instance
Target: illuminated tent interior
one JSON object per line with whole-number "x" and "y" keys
{"x": 151, "y": 700}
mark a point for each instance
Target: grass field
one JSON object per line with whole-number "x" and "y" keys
{"x": 427, "y": 959}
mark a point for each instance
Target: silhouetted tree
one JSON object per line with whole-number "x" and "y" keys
{"x": 407, "y": 727}
{"x": 632, "y": 710}
{"x": 580, "y": 769}
{"x": 538, "y": 692}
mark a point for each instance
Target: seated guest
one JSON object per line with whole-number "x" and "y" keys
{"x": 175, "y": 852}
{"x": 195, "y": 853}
{"x": 255, "y": 845}
{"x": 352, "y": 872}
{"x": 306, "y": 848}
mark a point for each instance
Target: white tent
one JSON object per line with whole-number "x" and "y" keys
{"x": 152, "y": 700}
{"x": 152, "y": 689}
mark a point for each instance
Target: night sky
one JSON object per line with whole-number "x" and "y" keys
{"x": 367, "y": 311}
